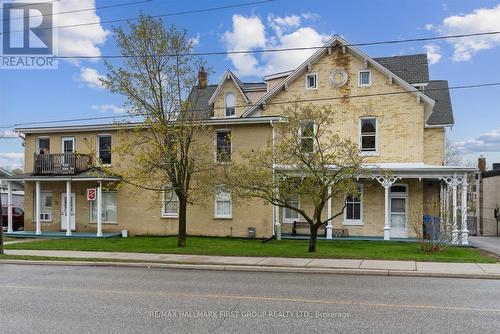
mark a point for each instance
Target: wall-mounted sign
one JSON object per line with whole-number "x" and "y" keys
{"x": 91, "y": 194}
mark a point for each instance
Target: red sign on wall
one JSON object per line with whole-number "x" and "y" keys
{"x": 91, "y": 194}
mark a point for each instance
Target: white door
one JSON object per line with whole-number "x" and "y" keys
{"x": 68, "y": 148}
{"x": 64, "y": 211}
{"x": 399, "y": 217}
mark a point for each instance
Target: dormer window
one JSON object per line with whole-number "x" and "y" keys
{"x": 311, "y": 81}
{"x": 229, "y": 104}
{"x": 365, "y": 78}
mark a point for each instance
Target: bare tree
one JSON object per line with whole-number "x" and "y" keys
{"x": 451, "y": 153}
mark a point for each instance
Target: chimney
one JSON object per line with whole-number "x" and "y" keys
{"x": 202, "y": 78}
{"x": 481, "y": 164}
{"x": 496, "y": 166}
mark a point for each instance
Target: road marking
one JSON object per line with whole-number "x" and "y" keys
{"x": 256, "y": 298}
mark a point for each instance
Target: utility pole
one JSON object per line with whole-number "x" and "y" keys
{"x": 1, "y": 220}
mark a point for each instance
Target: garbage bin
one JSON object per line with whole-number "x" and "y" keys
{"x": 251, "y": 232}
{"x": 431, "y": 227}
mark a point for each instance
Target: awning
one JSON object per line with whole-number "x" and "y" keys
{"x": 92, "y": 174}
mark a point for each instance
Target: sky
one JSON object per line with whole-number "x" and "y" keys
{"x": 73, "y": 90}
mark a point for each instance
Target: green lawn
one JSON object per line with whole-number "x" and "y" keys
{"x": 345, "y": 249}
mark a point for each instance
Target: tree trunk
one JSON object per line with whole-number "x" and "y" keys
{"x": 312, "y": 239}
{"x": 181, "y": 241}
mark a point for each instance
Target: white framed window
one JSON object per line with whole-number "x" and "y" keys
{"x": 306, "y": 134}
{"x": 289, "y": 215}
{"x": 104, "y": 149}
{"x": 230, "y": 105}
{"x": 108, "y": 208}
{"x": 368, "y": 140}
{"x": 353, "y": 212}
{"x": 311, "y": 81}
{"x": 45, "y": 206}
{"x": 223, "y": 203}
{"x": 170, "y": 207}
{"x": 223, "y": 145}
{"x": 43, "y": 145}
{"x": 365, "y": 78}
{"x": 67, "y": 144}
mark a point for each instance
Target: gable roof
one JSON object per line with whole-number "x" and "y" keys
{"x": 337, "y": 40}
{"x": 412, "y": 68}
{"x": 442, "y": 114}
{"x": 228, "y": 75}
{"x": 198, "y": 99}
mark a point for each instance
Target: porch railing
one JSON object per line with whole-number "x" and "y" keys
{"x": 60, "y": 163}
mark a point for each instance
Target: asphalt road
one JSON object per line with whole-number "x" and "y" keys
{"x": 56, "y": 299}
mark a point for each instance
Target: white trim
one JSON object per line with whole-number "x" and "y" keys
{"x": 369, "y": 78}
{"x": 369, "y": 153}
{"x": 219, "y": 216}
{"x": 355, "y": 222}
{"x": 234, "y": 104}
{"x": 227, "y": 75}
{"x": 102, "y": 201}
{"x": 306, "y": 81}
{"x": 277, "y": 75}
{"x": 49, "y": 215}
{"x": 37, "y": 143}
{"x": 291, "y": 220}
{"x": 66, "y": 138}
{"x": 318, "y": 54}
{"x": 404, "y": 196}
{"x": 169, "y": 214}
{"x": 114, "y": 127}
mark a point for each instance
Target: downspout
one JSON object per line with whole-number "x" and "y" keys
{"x": 274, "y": 210}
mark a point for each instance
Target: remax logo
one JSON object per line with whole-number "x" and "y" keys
{"x": 27, "y": 35}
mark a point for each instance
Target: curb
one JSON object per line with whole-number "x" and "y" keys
{"x": 250, "y": 268}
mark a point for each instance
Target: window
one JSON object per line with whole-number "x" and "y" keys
{"x": 45, "y": 206}
{"x": 104, "y": 146}
{"x": 170, "y": 204}
{"x": 229, "y": 103}
{"x": 108, "y": 208}
{"x": 290, "y": 215}
{"x": 43, "y": 145}
{"x": 223, "y": 203}
{"x": 307, "y": 136}
{"x": 223, "y": 146}
{"x": 365, "y": 78}
{"x": 68, "y": 144}
{"x": 311, "y": 81}
{"x": 353, "y": 214}
{"x": 368, "y": 135}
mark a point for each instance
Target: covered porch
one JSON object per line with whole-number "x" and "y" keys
{"x": 67, "y": 188}
{"x": 390, "y": 192}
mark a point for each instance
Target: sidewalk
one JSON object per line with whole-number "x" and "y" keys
{"x": 270, "y": 264}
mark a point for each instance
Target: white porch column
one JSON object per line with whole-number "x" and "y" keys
{"x": 387, "y": 182}
{"x": 38, "y": 206}
{"x": 454, "y": 232}
{"x": 441, "y": 203}
{"x": 9, "y": 207}
{"x": 277, "y": 225}
{"x": 99, "y": 209}
{"x": 464, "y": 233}
{"x": 68, "y": 208}
{"x": 329, "y": 226}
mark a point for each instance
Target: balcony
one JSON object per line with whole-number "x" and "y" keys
{"x": 61, "y": 163}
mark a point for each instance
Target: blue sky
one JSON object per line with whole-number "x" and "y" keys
{"x": 72, "y": 90}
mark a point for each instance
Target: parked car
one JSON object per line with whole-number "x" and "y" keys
{"x": 17, "y": 218}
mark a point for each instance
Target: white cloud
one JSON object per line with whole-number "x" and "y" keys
{"x": 90, "y": 77}
{"x": 248, "y": 33}
{"x": 310, "y": 16}
{"x": 479, "y": 20}
{"x": 286, "y": 32}
{"x": 108, "y": 108}
{"x": 12, "y": 160}
{"x": 429, "y": 26}
{"x": 195, "y": 40}
{"x": 433, "y": 53}
{"x": 83, "y": 40}
{"x": 487, "y": 142}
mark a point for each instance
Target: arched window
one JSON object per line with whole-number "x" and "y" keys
{"x": 229, "y": 104}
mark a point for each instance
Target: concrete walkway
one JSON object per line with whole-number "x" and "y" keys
{"x": 274, "y": 264}
{"x": 490, "y": 244}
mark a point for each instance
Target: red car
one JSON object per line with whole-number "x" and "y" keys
{"x": 17, "y": 219}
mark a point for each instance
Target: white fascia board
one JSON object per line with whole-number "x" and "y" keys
{"x": 221, "y": 83}
{"x": 337, "y": 39}
{"x": 277, "y": 75}
{"x": 427, "y": 126}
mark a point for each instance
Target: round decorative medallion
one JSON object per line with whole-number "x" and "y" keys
{"x": 338, "y": 77}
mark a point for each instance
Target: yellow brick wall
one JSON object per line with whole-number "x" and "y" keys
{"x": 434, "y": 145}
{"x": 219, "y": 103}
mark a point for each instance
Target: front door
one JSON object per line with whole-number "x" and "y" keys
{"x": 64, "y": 211}
{"x": 68, "y": 148}
{"x": 398, "y": 211}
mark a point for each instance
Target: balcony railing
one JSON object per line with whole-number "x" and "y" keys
{"x": 60, "y": 163}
